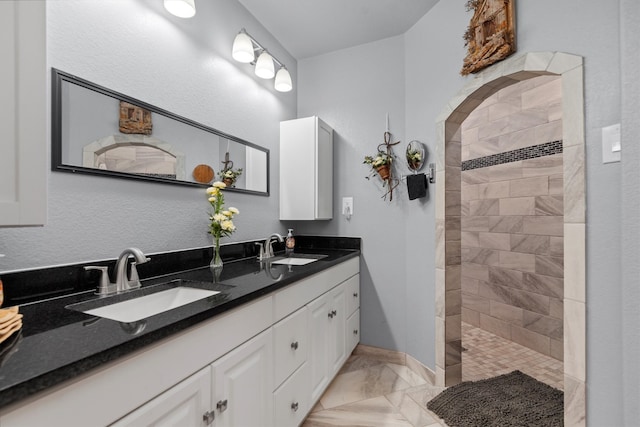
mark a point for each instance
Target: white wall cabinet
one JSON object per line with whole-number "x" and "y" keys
{"x": 251, "y": 366}
{"x": 306, "y": 169}
{"x": 23, "y": 113}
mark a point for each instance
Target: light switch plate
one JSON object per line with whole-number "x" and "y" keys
{"x": 611, "y": 144}
{"x": 347, "y": 206}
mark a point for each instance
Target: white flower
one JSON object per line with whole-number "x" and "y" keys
{"x": 219, "y": 217}
{"x": 212, "y": 199}
{"x": 212, "y": 190}
{"x": 227, "y": 213}
{"x": 227, "y": 225}
{"x": 234, "y": 210}
{"x": 219, "y": 184}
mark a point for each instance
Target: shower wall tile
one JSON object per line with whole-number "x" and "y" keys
{"x": 500, "y": 241}
{"x": 512, "y": 222}
{"x": 545, "y": 325}
{"x": 506, "y": 313}
{"x": 534, "y": 186}
{"x": 495, "y": 326}
{"x": 530, "y": 244}
{"x": 550, "y": 266}
{"x": 493, "y": 190}
{"x": 516, "y": 206}
{"x": 549, "y": 205}
{"x": 556, "y": 245}
{"x": 557, "y": 349}
{"x": 543, "y": 225}
{"x": 533, "y": 340}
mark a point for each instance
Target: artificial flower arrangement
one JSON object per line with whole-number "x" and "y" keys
{"x": 379, "y": 163}
{"x": 229, "y": 176}
{"x": 414, "y": 158}
{"x": 220, "y": 219}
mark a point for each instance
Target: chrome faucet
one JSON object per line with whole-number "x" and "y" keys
{"x": 266, "y": 250}
{"x": 124, "y": 283}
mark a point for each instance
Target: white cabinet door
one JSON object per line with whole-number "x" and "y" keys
{"x": 185, "y": 404}
{"x": 23, "y": 110}
{"x": 243, "y": 384}
{"x": 319, "y": 312}
{"x": 337, "y": 324}
{"x": 306, "y": 169}
{"x": 327, "y": 346}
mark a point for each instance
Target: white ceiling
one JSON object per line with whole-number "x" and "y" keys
{"x": 308, "y": 28}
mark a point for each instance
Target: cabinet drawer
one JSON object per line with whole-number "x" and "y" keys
{"x": 290, "y": 338}
{"x": 353, "y": 294}
{"x": 353, "y": 331}
{"x": 291, "y": 401}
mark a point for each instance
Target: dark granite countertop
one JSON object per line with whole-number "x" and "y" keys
{"x": 57, "y": 343}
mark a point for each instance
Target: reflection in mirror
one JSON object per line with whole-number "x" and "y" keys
{"x": 98, "y": 131}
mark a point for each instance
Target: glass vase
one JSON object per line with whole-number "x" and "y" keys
{"x": 216, "y": 261}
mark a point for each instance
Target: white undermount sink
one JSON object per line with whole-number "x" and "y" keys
{"x": 146, "y": 306}
{"x": 298, "y": 259}
{"x": 294, "y": 261}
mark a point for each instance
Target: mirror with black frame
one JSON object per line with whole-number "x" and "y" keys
{"x": 99, "y": 131}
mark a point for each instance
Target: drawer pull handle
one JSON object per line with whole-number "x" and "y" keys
{"x": 222, "y": 405}
{"x": 294, "y": 345}
{"x": 331, "y": 315}
{"x": 335, "y": 313}
{"x": 209, "y": 417}
{"x": 355, "y": 295}
{"x": 355, "y": 332}
{"x": 294, "y": 406}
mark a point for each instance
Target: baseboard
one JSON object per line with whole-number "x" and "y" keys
{"x": 397, "y": 357}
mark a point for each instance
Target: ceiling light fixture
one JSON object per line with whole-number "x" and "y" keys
{"x": 244, "y": 50}
{"x": 181, "y": 8}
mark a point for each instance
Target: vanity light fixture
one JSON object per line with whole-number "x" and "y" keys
{"x": 181, "y": 8}
{"x": 245, "y": 49}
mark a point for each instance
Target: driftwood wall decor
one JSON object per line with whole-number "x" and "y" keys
{"x": 134, "y": 119}
{"x": 491, "y": 35}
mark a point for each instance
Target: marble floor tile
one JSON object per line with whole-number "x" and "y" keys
{"x": 370, "y": 391}
{"x": 362, "y": 384}
{"x": 374, "y": 412}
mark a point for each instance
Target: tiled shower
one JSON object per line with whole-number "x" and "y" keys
{"x": 512, "y": 215}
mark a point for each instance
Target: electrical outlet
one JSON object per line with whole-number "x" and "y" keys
{"x": 347, "y": 206}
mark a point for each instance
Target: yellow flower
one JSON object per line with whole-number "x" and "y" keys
{"x": 219, "y": 217}
{"x": 227, "y": 213}
{"x": 234, "y": 211}
{"x": 212, "y": 199}
{"x": 219, "y": 184}
{"x": 212, "y": 190}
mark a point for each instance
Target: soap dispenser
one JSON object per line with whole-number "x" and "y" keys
{"x": 290, "y": 242}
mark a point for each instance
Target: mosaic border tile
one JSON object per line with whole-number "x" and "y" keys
{"x": 540, "y": 150}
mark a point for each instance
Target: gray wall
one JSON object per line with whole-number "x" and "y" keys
{"x": 183, "y": 66}
{"x": 334, "y": 87}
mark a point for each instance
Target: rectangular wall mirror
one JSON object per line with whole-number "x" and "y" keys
{"x": 98, "y": 131}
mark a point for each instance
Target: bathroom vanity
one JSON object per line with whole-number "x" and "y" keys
{"x": 261, "y": 351}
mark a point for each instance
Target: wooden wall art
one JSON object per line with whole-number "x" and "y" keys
{"x": 491, "y": 35}
{"x": 134, "y": 119}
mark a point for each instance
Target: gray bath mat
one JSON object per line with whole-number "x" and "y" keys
{"x": 513, "y": 399}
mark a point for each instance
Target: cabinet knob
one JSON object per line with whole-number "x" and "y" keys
{"x": 222, "y": 405}
{"x": 330, "y": 315}
{"x": 334, "y": 312}
{"x": 208, "y": 417}
{"x": 294, "y": 345}
{"x": 355, "y": 295}
{"x": 294, "y": 406}
{"x": 355, "y": 332}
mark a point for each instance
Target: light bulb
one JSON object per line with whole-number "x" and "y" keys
{"x": 181, "y": 8}
{"x": 264, "y": 66}
{"x": 243, "y": 48}
{"x": 283, "y": 80}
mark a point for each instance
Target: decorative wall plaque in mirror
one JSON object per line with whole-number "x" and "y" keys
{"x": 98, "y": 131}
